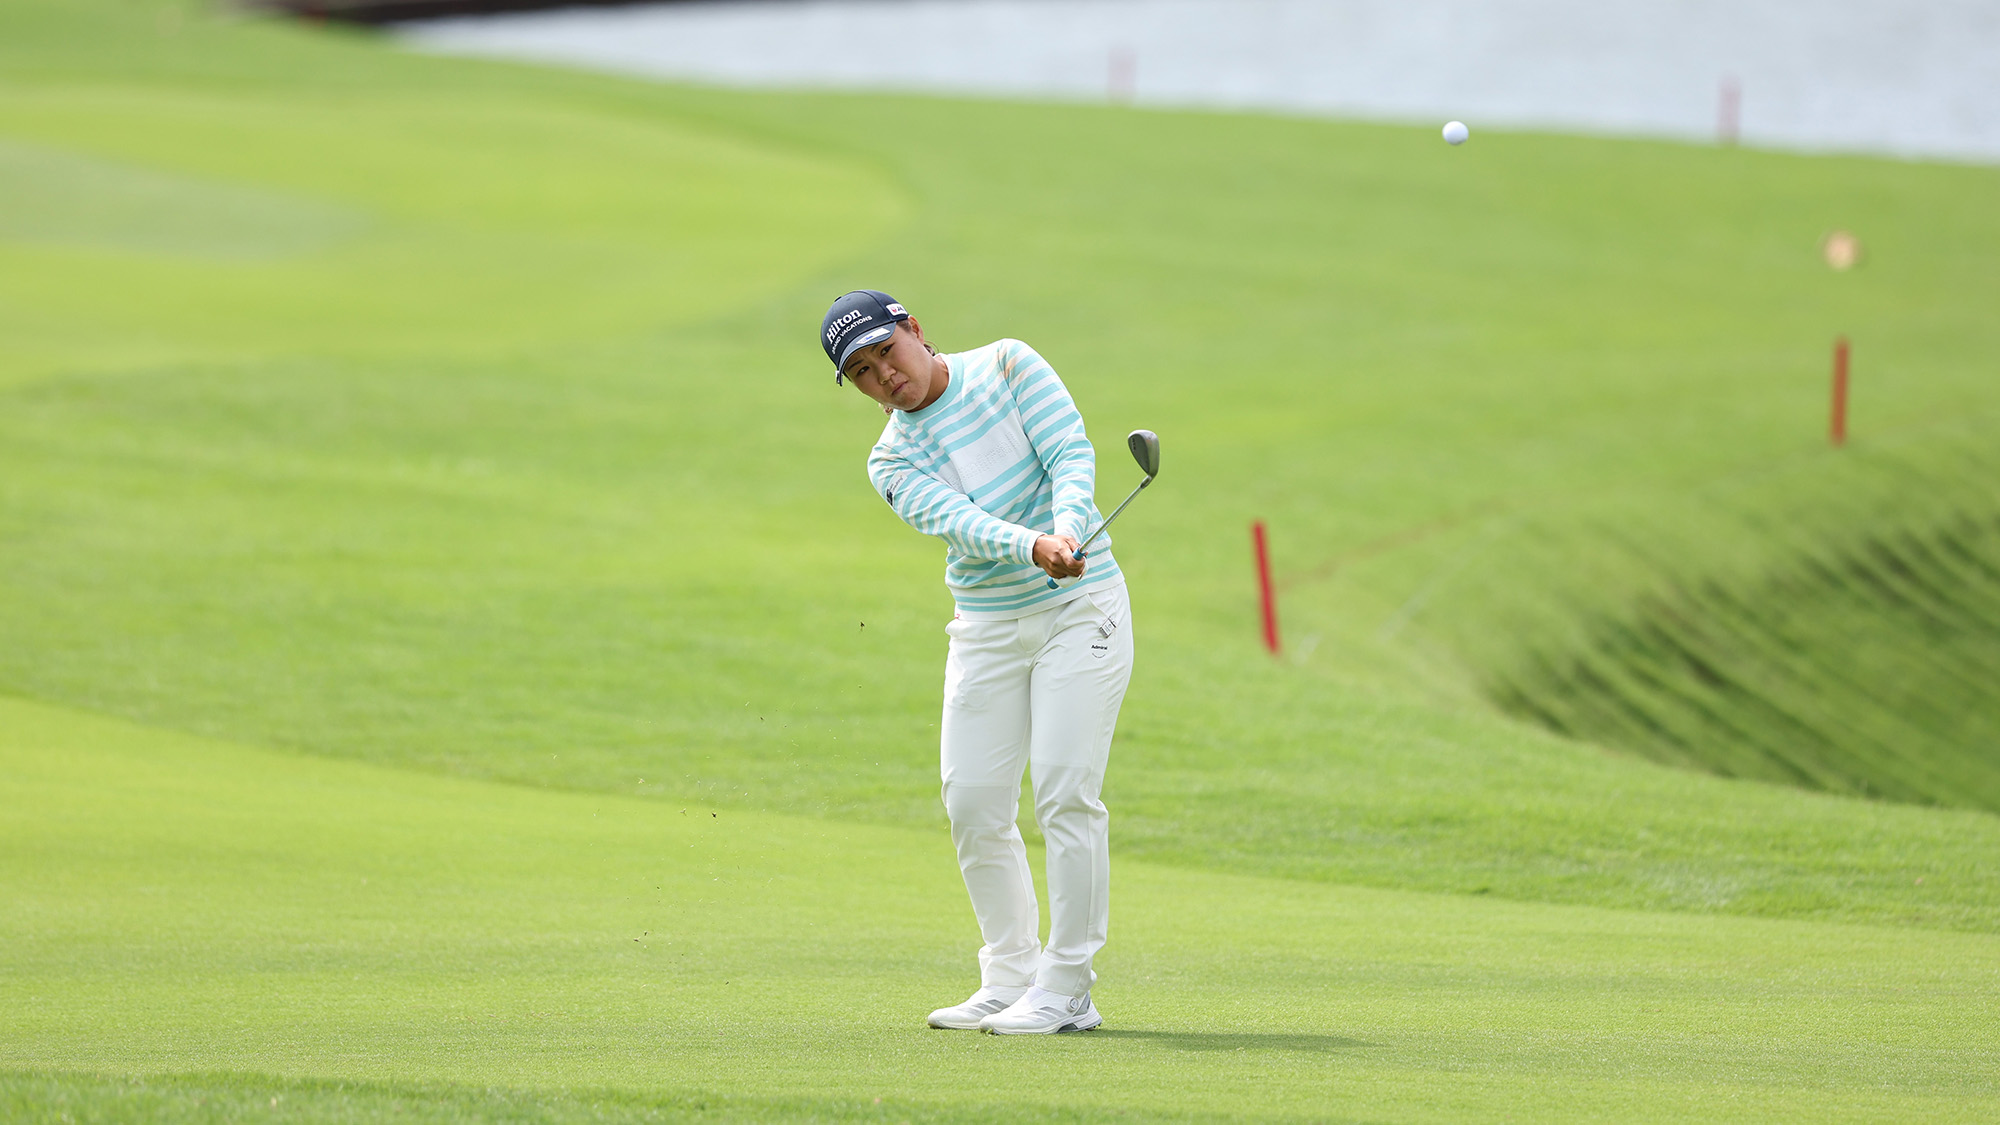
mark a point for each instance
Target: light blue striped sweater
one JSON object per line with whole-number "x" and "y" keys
{"x": 997, "y": 461}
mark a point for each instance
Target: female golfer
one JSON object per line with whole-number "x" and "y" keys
{"x": 985, "y": 450}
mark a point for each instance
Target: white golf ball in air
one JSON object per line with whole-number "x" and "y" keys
{"x": 1455, "y": 132}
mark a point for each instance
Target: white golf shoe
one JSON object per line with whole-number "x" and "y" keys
{"x": 985, "y": 1002}
{"x": 1042, "y": 1012}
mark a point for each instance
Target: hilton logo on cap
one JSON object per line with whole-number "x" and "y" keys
{"x": 833, "y": 330}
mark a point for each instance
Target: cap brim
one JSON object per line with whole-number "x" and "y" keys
{"x": 872, "y": 336}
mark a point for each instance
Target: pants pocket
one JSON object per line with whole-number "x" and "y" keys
{"x": 1110, "y": 613}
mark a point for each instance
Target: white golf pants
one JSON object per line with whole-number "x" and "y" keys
{"x": 1041, "y": 691}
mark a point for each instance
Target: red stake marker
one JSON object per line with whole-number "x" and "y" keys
{"x": 1837, "y": 430}
{"x": 1268, "y": 596}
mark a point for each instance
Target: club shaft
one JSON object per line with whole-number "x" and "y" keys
{"x": 1115, "y": 513}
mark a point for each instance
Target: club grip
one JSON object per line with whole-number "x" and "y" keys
{"x": 1080, "y": 555}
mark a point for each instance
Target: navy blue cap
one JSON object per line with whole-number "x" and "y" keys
{"x": 856, "y": 320}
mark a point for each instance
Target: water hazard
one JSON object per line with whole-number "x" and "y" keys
{"x": 1910, "y": 78}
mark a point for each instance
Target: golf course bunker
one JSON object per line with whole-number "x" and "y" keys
{"x": 1913, "y": 79}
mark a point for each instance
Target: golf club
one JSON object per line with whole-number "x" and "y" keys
{"x": 1145, "y": 447}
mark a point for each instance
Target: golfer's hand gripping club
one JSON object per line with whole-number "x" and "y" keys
{"x": 1056, "y": 556}
{"x": 1145, "y": 447}
{"x": 1083, "y": 552}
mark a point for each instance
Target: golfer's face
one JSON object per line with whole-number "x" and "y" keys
{"x": 895, "y": 372}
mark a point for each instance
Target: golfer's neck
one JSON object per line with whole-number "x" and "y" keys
{"x": 940, "y": 379}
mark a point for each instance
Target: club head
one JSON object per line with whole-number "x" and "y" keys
{"x": 1145, "y": 447}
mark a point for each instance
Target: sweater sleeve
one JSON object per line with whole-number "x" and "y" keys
{"x": 935, "y": 508}
{"x": 1055, "y": 429}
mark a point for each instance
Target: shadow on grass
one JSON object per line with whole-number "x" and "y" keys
{"x": 1234, "y": 1040}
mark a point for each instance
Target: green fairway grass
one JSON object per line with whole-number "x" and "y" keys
{"x": 197, "y": 906}
{"x": 421, "y": 471}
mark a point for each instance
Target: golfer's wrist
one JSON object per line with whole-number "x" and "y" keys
{"x": 1030, "y": 546}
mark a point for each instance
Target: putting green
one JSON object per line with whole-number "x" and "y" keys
{"x": 340, "y": 223}
{"x": 191, "y": 905}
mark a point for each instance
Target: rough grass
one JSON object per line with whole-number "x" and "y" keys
{"x": 1865, "y": 668}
